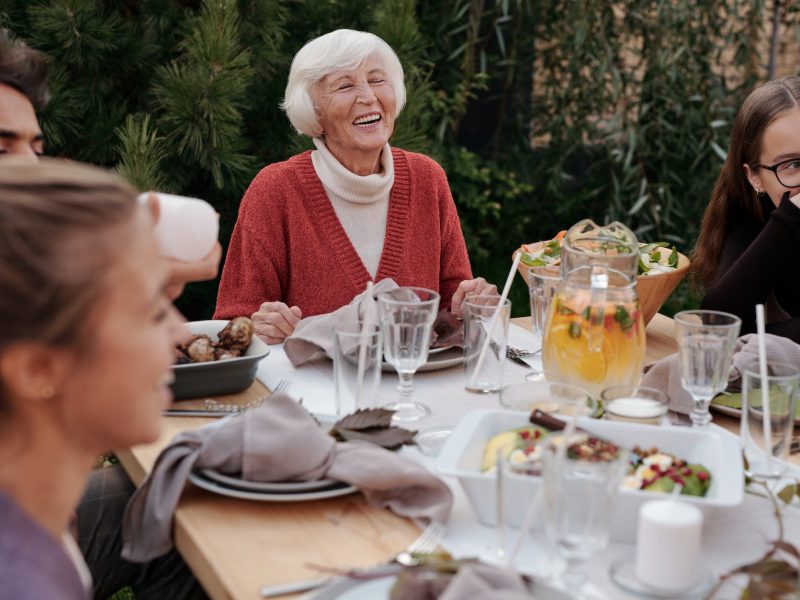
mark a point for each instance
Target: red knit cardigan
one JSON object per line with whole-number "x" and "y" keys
{"x": 289, "y": 245}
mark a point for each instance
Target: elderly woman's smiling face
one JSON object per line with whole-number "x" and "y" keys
{"x": 356, "y": 111}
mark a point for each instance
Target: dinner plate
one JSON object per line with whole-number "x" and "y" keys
{"x": 341, "y": 489}
{"x": 276, "y": 487}
{"x": 735, "y": 412}
{"x": 446, "y": 358}
{"x": 378, "y": 589}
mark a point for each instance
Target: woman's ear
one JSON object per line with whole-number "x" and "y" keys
{"x": 32, "y": 372}
{"x": 753, "y": 178}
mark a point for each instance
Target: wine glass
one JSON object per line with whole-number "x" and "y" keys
{"x": 542, "y": 284}
{"x": 706, "y": 339}
{"x": 579, "y": 494}
{"x": 407, "y": 315}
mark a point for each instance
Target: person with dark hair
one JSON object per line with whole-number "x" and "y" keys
{"x": 748, "y": 250}
{"x": 23, "y": 91}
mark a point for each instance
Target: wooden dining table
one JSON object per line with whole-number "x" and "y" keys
{"x": 236, "y": 546}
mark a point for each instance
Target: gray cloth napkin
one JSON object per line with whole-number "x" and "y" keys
{"x": 314, "y": 335}
{"x": 666, "y": 374}
{"x": 278, "y": 441}
{"x": 478, "y": 581}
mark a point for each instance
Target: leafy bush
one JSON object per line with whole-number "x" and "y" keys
{"x": 542, "y": 112}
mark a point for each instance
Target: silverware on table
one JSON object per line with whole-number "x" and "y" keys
{"x": 424, "y": 544}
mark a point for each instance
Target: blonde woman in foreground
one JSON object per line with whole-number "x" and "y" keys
{"x": 85, "y": 350}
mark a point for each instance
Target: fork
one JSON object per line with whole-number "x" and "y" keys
{"x": 424, "y": 544}
{"x": 410, "y": 557}
{"x": 282, "y": 386}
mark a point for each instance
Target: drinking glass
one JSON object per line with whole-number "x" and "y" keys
{"x": 783, "y": 381}
{"x": 485, "y": 318}
{"x": 579, "y": 495}
{"x": 705, "y": 350}
{"x": 554, "y": 398}
{"x": 542, "y": 285}
{"x": 407, "y": 315}
{"x": 357, "y": 366}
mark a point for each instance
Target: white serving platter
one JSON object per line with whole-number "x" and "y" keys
{"x": 716, "y": 449}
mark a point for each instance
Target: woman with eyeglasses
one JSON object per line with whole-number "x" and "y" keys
{"x": 748, "y": 250}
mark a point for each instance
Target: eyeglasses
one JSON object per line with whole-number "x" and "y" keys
{"x": 787, "y": 172}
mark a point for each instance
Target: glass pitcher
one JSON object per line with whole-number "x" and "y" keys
{"x": 594, "y": 334}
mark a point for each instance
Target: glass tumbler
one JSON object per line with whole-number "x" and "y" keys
{"x": 485, "y": 337}
{"x": 766, "y": 439}
{"x": 357, "y": 366}
{"x": 542, "y": 285}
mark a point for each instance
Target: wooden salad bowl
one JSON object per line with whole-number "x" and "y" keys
{"x": 653, "y": 290}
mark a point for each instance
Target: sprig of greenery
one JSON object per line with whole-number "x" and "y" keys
{"x": 776, "y": 575}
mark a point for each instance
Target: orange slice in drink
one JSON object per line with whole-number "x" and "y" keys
{"x": 570, "y": 348}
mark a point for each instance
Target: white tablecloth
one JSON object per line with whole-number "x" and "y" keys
{"x": 730, "y": 538}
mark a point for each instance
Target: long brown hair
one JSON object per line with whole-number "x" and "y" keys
{"x": 732, "y": 189}
{"x": 57, "y": 241}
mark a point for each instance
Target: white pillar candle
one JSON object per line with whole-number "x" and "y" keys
{"x": 187, "y": 228}
{"x": 668, "y": 544}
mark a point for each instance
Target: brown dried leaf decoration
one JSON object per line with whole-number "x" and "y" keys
{"x": 366, "y": 418}
{"x": 372, "y": 425}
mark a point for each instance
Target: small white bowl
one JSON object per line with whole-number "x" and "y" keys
{"x": 716, "y": 449}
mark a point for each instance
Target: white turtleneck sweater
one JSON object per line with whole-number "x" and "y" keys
{"x": 360, "y": 202}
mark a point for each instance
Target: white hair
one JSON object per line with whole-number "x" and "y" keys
{"x": 340, "y": 50}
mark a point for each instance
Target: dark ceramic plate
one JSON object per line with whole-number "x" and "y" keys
{"x": 219, "y": 377}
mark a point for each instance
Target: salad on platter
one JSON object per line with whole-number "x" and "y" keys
{"x": 650, "y": 470}
{"x": 654, "y": 258}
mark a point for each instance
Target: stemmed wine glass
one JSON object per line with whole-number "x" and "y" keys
{"x": 579, "y": 494}
{"x": 706, "y": 339}
{"x": 542, "y": 285}
{"x": 407, "y": 315}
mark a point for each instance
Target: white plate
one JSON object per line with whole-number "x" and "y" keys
{"x": 735, "y": 412}
{"x": 378, "y": 589}
{"x": 275, "y": 487}
{"x": 442, "y": 349}
{"x": 223, "y": 490}
{"x": 446, "y": 358}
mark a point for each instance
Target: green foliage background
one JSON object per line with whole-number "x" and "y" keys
{"x": 541, "y": 111}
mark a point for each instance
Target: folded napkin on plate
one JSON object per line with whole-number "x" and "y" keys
{"x": 478, "y": 581}
{"x": 278, "y": 441}
{"x": 666, "y": 373}
{"x": 314, "y": 335}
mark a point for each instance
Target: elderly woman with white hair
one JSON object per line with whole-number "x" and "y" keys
{"x": 313, "y": 230}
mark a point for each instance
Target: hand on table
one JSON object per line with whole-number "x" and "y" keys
{"x": 478, "y": 286}
{"x": 274, "y": 321}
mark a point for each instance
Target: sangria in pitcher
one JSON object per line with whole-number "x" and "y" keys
{"x": 594, "y": 335}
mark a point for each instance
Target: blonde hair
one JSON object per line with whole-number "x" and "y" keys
{"x": 55, "y": 247}
{"x": 340, "y": 50}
